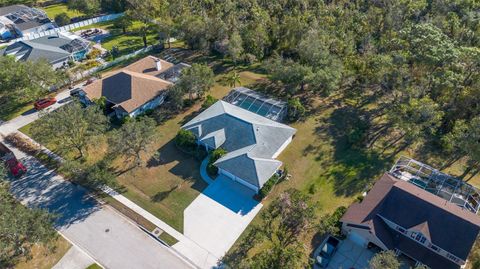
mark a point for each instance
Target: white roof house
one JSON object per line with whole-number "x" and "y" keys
{"x": 252, "y": 142}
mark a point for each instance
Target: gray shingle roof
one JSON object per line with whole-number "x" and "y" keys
{"x": 445, "y": 224}
{"x": 48, "y": 47}
{"x": 11, "y": 9}
{"x": 250, "y": 140}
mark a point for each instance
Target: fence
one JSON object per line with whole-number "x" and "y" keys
{"x": 70, "y": 27}
{"x": 87, "y": 73}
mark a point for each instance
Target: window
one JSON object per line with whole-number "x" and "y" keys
{"x": 419, "y": 237}
{"x": 453, "y": 258}
{"x": 435, "y": 248}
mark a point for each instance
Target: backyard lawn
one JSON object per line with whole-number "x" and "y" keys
{"x": 54, "y": 10}
{"x": 126, "y": 42}
{"x": 42, "y": 258}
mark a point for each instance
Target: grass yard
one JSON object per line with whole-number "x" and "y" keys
{"x": 126, "y": 42}
{"x": 94, "y": 266}
{"x": 42, "y": 258}
{"x": 11, "y": 111}
{"x": 54, "y": 10}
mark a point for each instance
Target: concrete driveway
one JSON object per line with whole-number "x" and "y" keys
{"x": 32, "y": 114}
{"x": 219, "y": 215}
{"x": 350, "y": 256}
{"x": 109, "y": 238}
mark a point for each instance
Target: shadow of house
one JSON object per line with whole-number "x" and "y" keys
{"x": 231, "y": 195}
{"x": 186, "y": 167}
{"x": 39, "y": 188}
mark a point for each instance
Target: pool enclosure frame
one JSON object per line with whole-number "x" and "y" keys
{"x": 432, "y": 180}
{"x": 259, "y": 104}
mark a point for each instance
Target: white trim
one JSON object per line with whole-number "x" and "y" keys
{"x": 237, "y": 179}
{"x": 285, "y": 144}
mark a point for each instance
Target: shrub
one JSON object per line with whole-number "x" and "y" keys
{"x": 268, "y": 186}
{"x": 330, "y": 223}
{"x": 62, "y": 19}
{"x": 296, "y": 110}
{"x": 186, "y": 140}
{"x": 94, "y": 54}
{"x": 209, "y": 100}
{"x": 214, "y": 156}
{"x": 22, "y": 144}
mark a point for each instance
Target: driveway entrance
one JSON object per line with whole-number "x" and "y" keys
{"x": 219, "y": 215}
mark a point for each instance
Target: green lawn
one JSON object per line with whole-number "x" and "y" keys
{"x": 10, "y": 111}
{"x": 43, "y": 258}
{"x": 126, "y": 42}
{"x": 170, "y": 240}
{"x": 54, "y": 10}
{"x": 94, "y": 266}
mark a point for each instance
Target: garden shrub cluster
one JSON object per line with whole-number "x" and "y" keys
{"x": 186, "y": 140}
{"x": 215, "y": 155}
{"x": 268, "y": 186}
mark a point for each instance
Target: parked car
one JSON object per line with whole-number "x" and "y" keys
{"x": 326, "y": 250}
{"x": 45, "y": 102}
{"x": 15, "y": 167}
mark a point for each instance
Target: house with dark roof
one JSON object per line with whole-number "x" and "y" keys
{"x": 134, "y": 89}
{"x": 57, "y": 49}
{"x": 418, "y": 224}
{"x": 19, "y": 21}
{"x": 252, "y": 142}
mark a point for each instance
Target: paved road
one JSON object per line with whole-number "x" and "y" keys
{"x": 105, "y": 235}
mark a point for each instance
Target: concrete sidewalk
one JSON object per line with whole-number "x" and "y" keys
{"x": 74, "y": 259}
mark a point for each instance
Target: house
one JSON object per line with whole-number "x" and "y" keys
{"x": 20, "y": 21}
{"x": 416, "y": 222}
{"x": 57, "y": 49}
{"x": 134, "y": 89}
{"x": 252, "y": 142}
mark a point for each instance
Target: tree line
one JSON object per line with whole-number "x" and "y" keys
{"x": 417, "y": 61}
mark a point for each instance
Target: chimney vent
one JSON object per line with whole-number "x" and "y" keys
{"x": 158, "y": 64}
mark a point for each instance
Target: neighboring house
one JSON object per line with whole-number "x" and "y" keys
{"x": 57, "y": 49}
{"x": 252, "y": 142}
{"x": 19, "y": 21}
{"x": 419, "y": 223}
{"x": 134, "y": 89}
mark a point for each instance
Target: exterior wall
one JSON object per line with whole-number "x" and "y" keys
{"x": 38, "y": 29}
{"x": 239, "y": 180}
{"x": 60, "y": 63}
{"x": 149, "y": 105}
{"x": 282, "y": 147}
{"x": 366, "y": 234}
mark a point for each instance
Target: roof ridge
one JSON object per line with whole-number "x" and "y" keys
{"x": 143, "y": 76}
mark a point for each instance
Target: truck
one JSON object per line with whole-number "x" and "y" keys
{"x": 15, "y": 167}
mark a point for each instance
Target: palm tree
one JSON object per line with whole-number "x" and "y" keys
{"x": 233, "y": 79}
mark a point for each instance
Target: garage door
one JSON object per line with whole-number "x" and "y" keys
{"x": 357, "y": 239}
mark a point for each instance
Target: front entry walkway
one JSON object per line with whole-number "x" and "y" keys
{"x": 219, "y": 215}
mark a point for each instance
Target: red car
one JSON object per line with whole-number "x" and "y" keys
{"x": 45, "y": 102}
{"x": 16, "y": 168}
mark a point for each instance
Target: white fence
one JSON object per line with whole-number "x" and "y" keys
{"x": 87, "y": 73}
{"x": 70, "y": 27}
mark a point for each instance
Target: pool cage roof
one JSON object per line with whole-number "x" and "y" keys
{"x": 432, "y": 180}
{"x": 27, "y": 14}
{"x": 76, "y": 45}
{"x": 257, "y": 103}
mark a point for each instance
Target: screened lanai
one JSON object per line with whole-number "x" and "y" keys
{"x": 432, "y": 180}
{"x": 257, "y": 103}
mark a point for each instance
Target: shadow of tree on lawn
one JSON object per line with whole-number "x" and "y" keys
{"x": 354, "y": 166}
